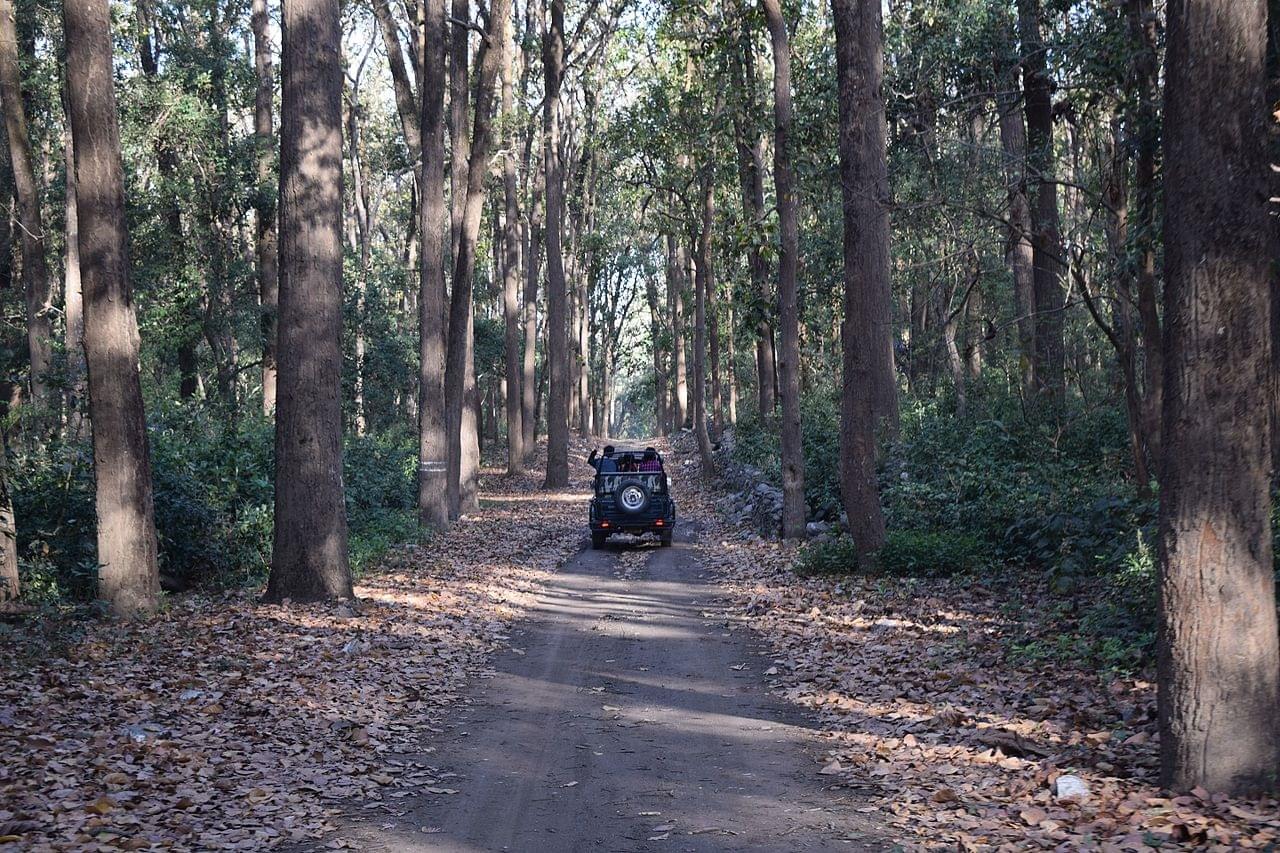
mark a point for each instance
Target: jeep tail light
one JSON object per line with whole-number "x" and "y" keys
{"x": 658, "y": 523}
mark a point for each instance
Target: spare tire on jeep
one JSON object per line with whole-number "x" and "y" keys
{"x": 632, "y": 497}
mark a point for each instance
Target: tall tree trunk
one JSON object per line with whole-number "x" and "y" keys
{"x": 127, "y": 575}
{"x": 557, "y": 325}
{"x": 1046, "y": 240}
{"x": 533, "y": 273}
{"x": 433, "y": 503}
{"x": 1019, "y": 254}
{"x": 511, "y": 272}
{"x": 265, "y": 203}
{"x": 460, "y": 386}
{"x": 661, "y": 417}
{"x": 73, "y": 294}
{"x": 793, "y": 503}
{"x": 676, "y": 288}
{"x": 35, "y": 270}
{"x": 1145, "y": 121}
{"x": 859, "y": 65}
{"x": 401, "y": 87}
{"x": 459, "y": 110}
{"x": 750, "y": 147}
{"x": 701, "y": 286}
{"x": 309, "y": 559}
{"x": 1219, "y": 660}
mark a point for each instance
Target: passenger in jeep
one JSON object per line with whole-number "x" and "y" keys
{"x": 606, "y": 464}
{"x": 650, "y": 462}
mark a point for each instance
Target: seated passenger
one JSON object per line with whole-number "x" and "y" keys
{"x": 606, "y": 464}
{"x": 650, "y": 462}
{"x": 627, "y": 464}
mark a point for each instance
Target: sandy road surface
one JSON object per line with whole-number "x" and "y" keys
{"x": 628, "y": 715}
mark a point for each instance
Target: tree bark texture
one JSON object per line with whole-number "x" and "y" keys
{"x": 459, "y": 374}
{"x": 128, "y": 578}
{"x": 433, "y": 503}
{"x": 511, "y": 271}
{"x": 265, "y": 203}
{"x": 309, "y": 560}
{"x": 1219, "y": 663}
{"x": 35, "y": 269}
{"x": 702, "y": 282}
{"x": 1046, "y": 242}
{"x": 793, "y": 502}
{"x": 557, "y": 319}
{"x": 73, "y": 293}
{"x": 863, "y": 183}
{"x": 1019, "y": 254}
{"x": 750, "y": 147}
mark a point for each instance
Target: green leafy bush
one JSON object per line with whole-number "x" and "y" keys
{"x": 214, "y": 504}
{"x": 906, "y": 553}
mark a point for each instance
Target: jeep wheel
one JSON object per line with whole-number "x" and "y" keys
{"x": 665, "y": 538}
{"x": 632, "y": 498}
{"x": 597, "y": 540}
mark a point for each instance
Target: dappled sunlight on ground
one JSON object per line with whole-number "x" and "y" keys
{"x": 957, "y": 744}
{"x": 226, "y": 724}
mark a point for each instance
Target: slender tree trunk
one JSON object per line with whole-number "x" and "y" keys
{"x": 309, "y": 559}
{"x": 265, "y": 203}
{"x": 859, "y": 66}
{"x": 10, "y": 587}
{"x": 676, "y": 283}
{"x": 406, "y": 107}
{"x": 793, "y": 502}
{"x": 433, "y": 503}
{"x": 529, "y": 378}
{"x": 557, "y": 326}
{"x": 127, "y": 575}
{"x": 73, "y": 294}
{"x": 511, "y": 274}
{"x": 459, "y": 110}
{"x": 1219, "y": 660}
{"x": 750, "y": 147}
{"x": 1145, "y": 121}
{"x": 461, "y": 398}
{"x": 701, "y": 286}
{"x": 1019, "y": 254}
{"x": 35, "y": 270}
{"x": 1046, "y": 237}
{"x": 661, "y": 417}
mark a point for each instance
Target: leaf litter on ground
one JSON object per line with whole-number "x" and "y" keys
{"x": 929, "y": 720}
{"x": 224, "y": 724}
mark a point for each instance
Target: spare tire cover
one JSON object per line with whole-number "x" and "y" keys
{"x": 632, "y": 497}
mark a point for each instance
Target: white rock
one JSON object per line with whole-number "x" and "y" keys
{"x": 1071, "y": 789}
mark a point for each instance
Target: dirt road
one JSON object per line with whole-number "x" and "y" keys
{"x": 629, "y": 715}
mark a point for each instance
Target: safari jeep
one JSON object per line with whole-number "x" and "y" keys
{"x": 631, "y": 502}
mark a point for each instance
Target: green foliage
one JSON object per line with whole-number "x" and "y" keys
{"x": 906, "y": 553}
{"x": 214, "y": 503}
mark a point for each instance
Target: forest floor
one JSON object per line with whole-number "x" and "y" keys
{"x": 953, "y": 739}
{"x": 503, "y": 685}
{"x": 227, "y": 724}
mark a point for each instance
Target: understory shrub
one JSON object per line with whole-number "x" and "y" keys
{"x": 214, "y": 501}
{"x": 906, "y": 553}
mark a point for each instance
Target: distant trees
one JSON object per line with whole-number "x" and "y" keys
{"x": 1219, "y": 664}
{"x": 128, "y": 578}
{"x": 309, "y": 560}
